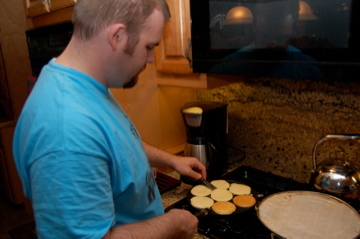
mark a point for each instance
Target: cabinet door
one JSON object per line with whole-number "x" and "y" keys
{"x": 36, "y": 7}
{"x": 5, "y": 185}
{"x": 11, "y": 183}
{"x": 59, "y": 4}
{"x": 170, "y": 56}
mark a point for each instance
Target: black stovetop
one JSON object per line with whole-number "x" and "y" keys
{"x": 246, "y": 224}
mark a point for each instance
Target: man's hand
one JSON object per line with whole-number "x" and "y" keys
{"x": 187, "y": 223}
{"x": 176, "y": 224}
{"x": 189, "y": 166}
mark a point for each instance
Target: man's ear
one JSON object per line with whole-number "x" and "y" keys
{"x": 117, "y": 35}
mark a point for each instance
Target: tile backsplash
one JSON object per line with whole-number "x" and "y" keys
{"x": 275, "y": 123}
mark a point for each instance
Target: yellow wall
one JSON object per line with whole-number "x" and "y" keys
{"x": 155, "y": 110}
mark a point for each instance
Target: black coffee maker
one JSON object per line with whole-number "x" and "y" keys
{"x": 206, "y": 130}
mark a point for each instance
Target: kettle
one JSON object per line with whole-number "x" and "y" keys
{"x": 337, "y": 176}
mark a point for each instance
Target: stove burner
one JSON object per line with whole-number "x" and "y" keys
{"x": 246, "y": 225}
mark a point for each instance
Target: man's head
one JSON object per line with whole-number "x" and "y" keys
{"x": 91, "y": 16}
{"x": 275, "y": 22}
{"x": 113, "y": 40}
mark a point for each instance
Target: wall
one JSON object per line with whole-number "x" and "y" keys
{"x": 276, "y": 123}
{"x": 155, "y": 110}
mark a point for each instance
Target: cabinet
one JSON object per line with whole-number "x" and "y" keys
{"x": 48, "y": 12}
{"x": 6, "y": 111}
{"x": 171, "y": 54}
{"x": 60, "y": 4}
{"x": 173, "y": 67}
{"x": 36, "y": 7}
{"x": 10, "y": 182}
{"x": 39, "y": 7}
{"x": 14, "y": 70}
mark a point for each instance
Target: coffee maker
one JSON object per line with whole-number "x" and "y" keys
{"x": 206, "y": 130}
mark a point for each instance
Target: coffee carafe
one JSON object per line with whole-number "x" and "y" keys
{"x": 196, "y": 144}
{"x": 206, "y": 130}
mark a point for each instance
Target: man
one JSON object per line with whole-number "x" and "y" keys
{"x": 81, "y": 160}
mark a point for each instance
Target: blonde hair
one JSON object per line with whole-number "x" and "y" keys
{"x": 91, "y": 16}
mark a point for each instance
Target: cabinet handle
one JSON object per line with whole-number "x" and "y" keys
{"x": 49, "y": 2}
{"x": 188, "y": 52}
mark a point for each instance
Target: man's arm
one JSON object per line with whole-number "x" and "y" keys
{"x": 172, "y": 225}
{"x": 189, "y": 166}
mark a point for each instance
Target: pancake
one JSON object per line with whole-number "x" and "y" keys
{"x": 220, "y": 184}
{"x": 223, "y": 208}
{"x": 221, "y": 195}
{"x": 244, "y": 201}
{"x": 200, "y": 202}
{"x": 200, "y": 190}
{"x": 239, "y": 189}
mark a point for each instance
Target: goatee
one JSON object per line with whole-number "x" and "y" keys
{"x": 131, "y": 83}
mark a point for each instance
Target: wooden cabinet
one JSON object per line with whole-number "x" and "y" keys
{"x": 39, "y": 7}
{"x": 170, "y": 56}
{"x": 10, "y": 182}
{"x": 60, "y": 4}
{"x": 36, "y": 7}
{"x": 48, "y": 12}
{"x": 171, "y": 61}
{"x": 14, "y": 70}
{"x": 173, "y": 67}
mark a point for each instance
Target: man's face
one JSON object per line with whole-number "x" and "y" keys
{"x": 274, "y": 24}
{"x": 149, "y": 37}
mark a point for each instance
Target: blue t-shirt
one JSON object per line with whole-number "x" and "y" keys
{"x": 80, "y": 158}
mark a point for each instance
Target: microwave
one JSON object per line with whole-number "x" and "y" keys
{"x": 301, "y": 39}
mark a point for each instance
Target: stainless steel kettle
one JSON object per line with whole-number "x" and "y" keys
{"x": 337, "y": 176}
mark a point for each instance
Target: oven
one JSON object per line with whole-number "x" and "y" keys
{"x": 246, "y": 225}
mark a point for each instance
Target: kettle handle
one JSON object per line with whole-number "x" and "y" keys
{"x": 342, "y": 136}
